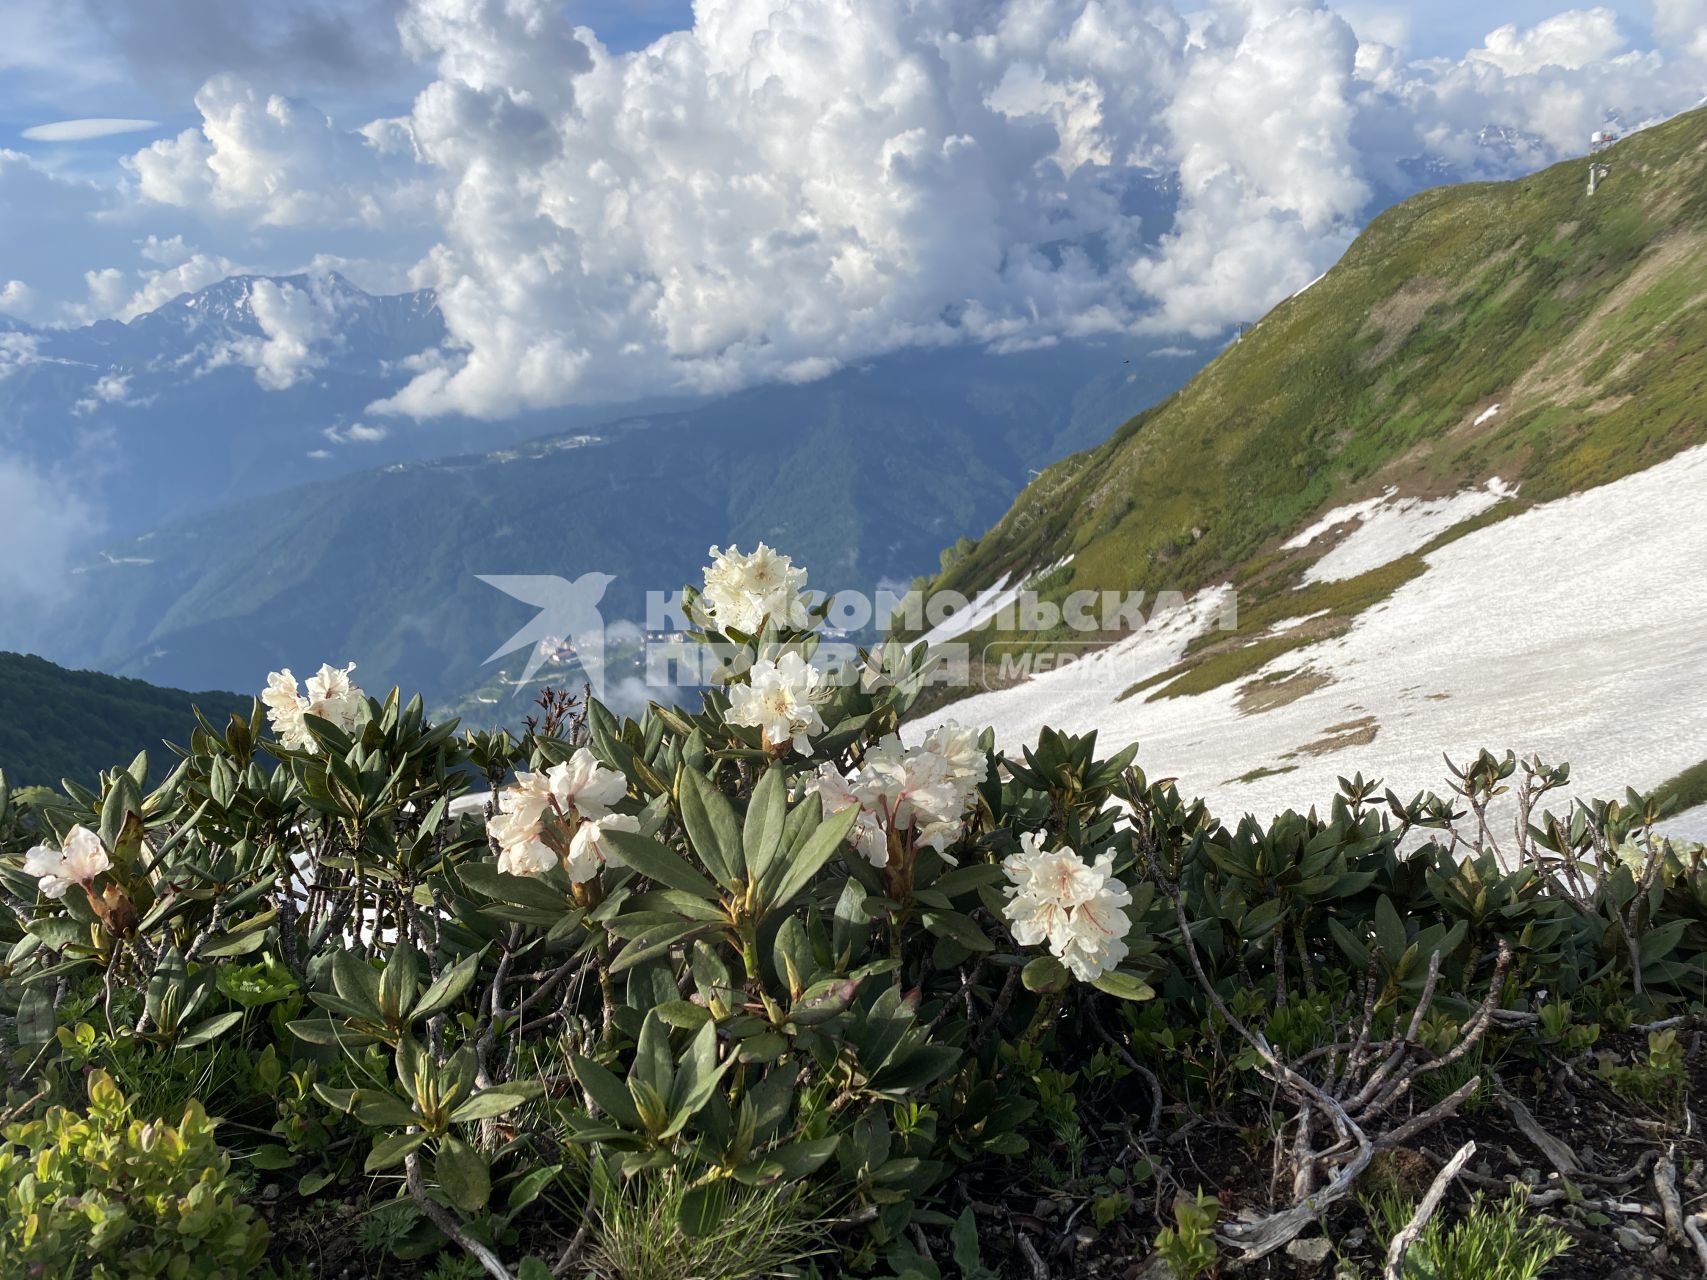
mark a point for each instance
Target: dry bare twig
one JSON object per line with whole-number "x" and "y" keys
{"x": 1407, "y": 1236}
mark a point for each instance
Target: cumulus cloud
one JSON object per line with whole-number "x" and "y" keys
{"x": 108, "y": 391}
{"x": 18, "y": 351}
{"x": 356, "y": 433}
{"x": 296, "y": 326}
{"x": 794, "y": 185}
{"x": 183, "y": 270}
{"x": 117, "y": 294}
{"x": 276, "y": 159}
{"x": 1683, "y": 22}
{"x": 17, "y": 299}
{"x": 1569, "y": 40}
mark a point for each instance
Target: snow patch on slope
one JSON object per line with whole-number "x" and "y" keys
{"x": 1389, "y": 527}
{"x": 987, "y": 604}
{"x": 1689, "y": 825}
{"x": 1513, "y": 637}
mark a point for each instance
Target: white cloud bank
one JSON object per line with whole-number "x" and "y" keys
{"x": 42, "y": 521}
{"x": 793, "y": 185}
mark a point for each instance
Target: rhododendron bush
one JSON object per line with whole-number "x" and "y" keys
{"x": 775, "y": 961}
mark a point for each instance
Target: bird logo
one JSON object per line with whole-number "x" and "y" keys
{"x": 568, "y": 615}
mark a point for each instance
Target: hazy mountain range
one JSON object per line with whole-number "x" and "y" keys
{"x": 280, "y": 551}
{"x": 241, "y": 389}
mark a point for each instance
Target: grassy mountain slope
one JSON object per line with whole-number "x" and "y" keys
{"x": 1580, "y": 317}
{"x": 862, "y": 476}
{"x": 58, "y": 724}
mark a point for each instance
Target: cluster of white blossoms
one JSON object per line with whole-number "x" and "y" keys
{"x": 779, "y": 700}
{"x": 1074, "y": 906}
{"x": 744, "y": 592}
{"x": 331, "y": 695}
{"x": 582, "y": 791}
{"x": 927, "y": 789}
{"x": 82, "y": 859}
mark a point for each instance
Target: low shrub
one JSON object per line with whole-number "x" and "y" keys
{"x": 107, "y": 1195}
{"x": 766, "y": 974}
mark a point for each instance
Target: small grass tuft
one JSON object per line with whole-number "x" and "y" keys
{"x": 1495, "y": 1240}
{"x": 638, "y": 1232}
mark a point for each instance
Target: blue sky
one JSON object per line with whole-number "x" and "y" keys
{"x": 794, "y": 185}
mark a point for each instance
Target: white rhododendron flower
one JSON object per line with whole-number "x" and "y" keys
{"x": 923, "y": 792}
{"x": 578, "y": 789}
{"x": 285, "y": 707}
{"x": 959, "y": 747}
{"x": 82, "y": 859}
{"x": 778, "y": 700}
{"x": 587, "y": 850}
{"x": 744, "y": 592}
{"x": 585, "y": 785}
{"x": 1075, "y": 907}
{"x": 521, "y": 849}
{"x": 331, "y": 695}
{"x": 526, "y": 802}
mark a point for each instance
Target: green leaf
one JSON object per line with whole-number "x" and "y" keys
{"x": 462, "y": 1174}
{"x": 59, "y": 932}
{"x": 528, "y": 1187}
{"x": 657, "y": 862}
{"x": 767, "y": 1046}
{"x": 356, "y": 982}
{"x": 696, "y": 1081}
{"x": 702, "y": 1209}
{"x": 270, "y": 1156}
{"x": 800, "y": 1159}
{"x": 391, "y": 1150}
{"x": 36, "y": 1020}
{"x": 823, "y": 1000}
{"x": 496, "y": 1100}
{"x": 852, "y": 923}
{"x": 655, "y": 941}
{"x": 610, "y": 1093}
{"x": 712, "y": 829}
{"x": 383, "y": 1110}
{"x": 684, "y": 1014}
{"x": 1658, "y": 943}
{"x": 1123, "y": 986}
{"x": 951, "y": 924}
{"x": 448, "y": 987}
{"x": 232, "y": 945}
{"x": 761, "y": 834}
{"x": 1045, "y": 975}
{"x": 963, "y": 1237}
{"x": 341, "y": 1100}
{"x": 1389, "y": 929}
{"x": 819, "y": 848}
{"x": 398, "y": 980}
{"x": 652, "y": 1058}
{"x": 202, "y": 1032}
{"x": 522, "y": 891}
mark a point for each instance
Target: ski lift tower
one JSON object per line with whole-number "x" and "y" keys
{"x": 1598, "y": 141}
